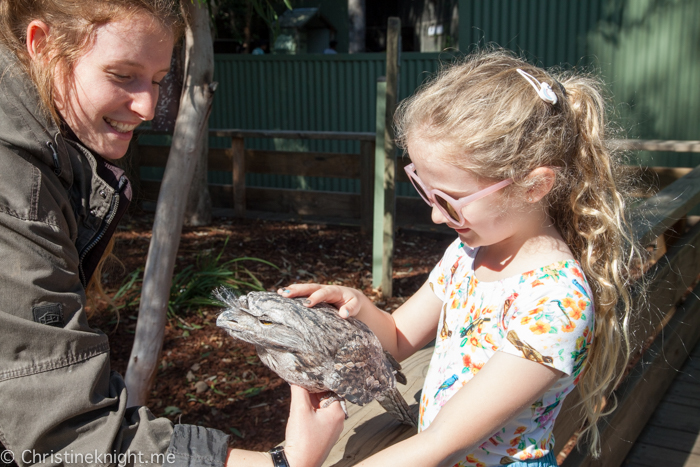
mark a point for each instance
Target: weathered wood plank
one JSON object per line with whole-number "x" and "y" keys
{"x": 641, "y": 391}
{"x": 691, "y": 377}
{"x": 302, "y": 203}
{"x": 369, "y": 429}
{"x": 657, "y": 177}
{"x": 312, "y": 164}
{"x": 238, "y": 166}
{"x": 654, "y": 145}
{"x": 668, "y": 438}
{"x": 621, "y": 144}
{"x": 684, "y": 389}
{"x": 655, "y": 456}
{"x": 153, "y": 156}
{"x": 667, "y": 282}
{"x": 680, "y": 417}
{"x": 683, "y": 399}
{"x": 292, "y": 134}
{"x": 692, "y": 364}
{"x": 569, "y": 421}
{"x": 411, "y": 212}
{"x": 655, "y": 215}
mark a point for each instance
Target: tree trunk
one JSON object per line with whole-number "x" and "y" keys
{"x": 170, "y": 93}
{"x": 356, "y": 13}
{"x": 198, "y": 209}
{"x": 195, "y": 106}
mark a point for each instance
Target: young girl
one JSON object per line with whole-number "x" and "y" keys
{"x": 522, "y": 304}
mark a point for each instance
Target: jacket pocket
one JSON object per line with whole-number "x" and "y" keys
{"x": 21, "y": 182}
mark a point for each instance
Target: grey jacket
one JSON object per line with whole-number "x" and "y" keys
{"x": 59, "y": 401}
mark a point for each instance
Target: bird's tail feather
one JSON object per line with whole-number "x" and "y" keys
{"x": 394, "y": 403}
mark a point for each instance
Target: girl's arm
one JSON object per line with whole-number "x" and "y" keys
{"x": 504, "y": 387}
{"x": 401, "y": 333}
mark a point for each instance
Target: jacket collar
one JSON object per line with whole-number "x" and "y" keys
{"x": 24, "y": 123}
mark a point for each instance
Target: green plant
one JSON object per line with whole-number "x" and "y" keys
{"x": 192, "y": 285}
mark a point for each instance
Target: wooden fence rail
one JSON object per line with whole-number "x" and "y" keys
{"x": 346, "y": 207}
{"x": 350, "y": 207}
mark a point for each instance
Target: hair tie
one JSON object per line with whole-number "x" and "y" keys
{"x": 543, "y": 90}
{"x": 563, "y": 89}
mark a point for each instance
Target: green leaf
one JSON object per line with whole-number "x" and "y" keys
{"x": 171, "y": 410}
{"x": 250, "y": 392}
{"x": 193, "y": 284}
{"x": 237, "y": 432}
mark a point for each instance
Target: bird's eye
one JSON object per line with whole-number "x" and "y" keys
{"x": 266, "y": 323}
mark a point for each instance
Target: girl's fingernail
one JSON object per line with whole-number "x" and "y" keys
{"x": 286, "y": 291}
{"x": 307, "y": 302}
{"x": 346, "y": 313}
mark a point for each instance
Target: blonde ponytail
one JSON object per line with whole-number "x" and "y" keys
{"x": 592, "y": 221}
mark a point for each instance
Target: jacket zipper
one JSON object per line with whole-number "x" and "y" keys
{"x": 112, "y": 212}
{"x": 54, "y": 154}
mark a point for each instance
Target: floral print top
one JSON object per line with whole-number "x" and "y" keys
{"x": 544, "y": 315}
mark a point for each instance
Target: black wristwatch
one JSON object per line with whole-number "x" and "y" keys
{"x": 278, "y": 457}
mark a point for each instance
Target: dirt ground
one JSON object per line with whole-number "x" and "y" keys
{"x": 207, "y": 378}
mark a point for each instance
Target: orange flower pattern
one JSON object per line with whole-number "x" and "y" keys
{"x": 545, "y": 315}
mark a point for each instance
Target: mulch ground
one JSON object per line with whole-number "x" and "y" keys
{"x": 207, "y": 378}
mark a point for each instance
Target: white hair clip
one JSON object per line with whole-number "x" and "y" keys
{"x": 543, "y": 90}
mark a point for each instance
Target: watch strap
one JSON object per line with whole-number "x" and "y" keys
{"x": 278, "y": 457}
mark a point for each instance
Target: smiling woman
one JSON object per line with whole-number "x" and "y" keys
{"x": 76, "y": 78}
{"x": 114, "y": 85}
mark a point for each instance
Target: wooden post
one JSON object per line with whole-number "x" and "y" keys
{"x": 238, "y": 148}
{"x": 378, "y": 224}
{"x": 367, "y": 149}
{"x": 392, "y": 98}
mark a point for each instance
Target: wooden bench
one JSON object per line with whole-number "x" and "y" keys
{"x": 665, "y": 329}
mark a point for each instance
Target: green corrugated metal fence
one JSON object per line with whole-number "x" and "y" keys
{"x": 646, "y": 50}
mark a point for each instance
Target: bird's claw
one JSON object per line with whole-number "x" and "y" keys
{"x": 329, "y": 398}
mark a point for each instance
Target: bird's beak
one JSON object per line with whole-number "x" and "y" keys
{"x": 226, "y": 319}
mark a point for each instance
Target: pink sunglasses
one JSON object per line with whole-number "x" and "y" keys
{"x": 448, "y": 206}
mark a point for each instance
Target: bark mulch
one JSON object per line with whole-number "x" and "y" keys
{"x": 207, "y": 378}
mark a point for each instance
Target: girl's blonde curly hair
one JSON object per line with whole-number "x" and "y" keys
{"x": 481, "y": 106}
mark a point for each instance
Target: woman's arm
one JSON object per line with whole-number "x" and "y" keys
{"x": 503, "y": 388}
{"x": 311, "y": 433}
{"x": 401, "y": 333}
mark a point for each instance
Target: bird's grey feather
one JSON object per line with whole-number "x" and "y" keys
{"x": 316, "y": 349}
